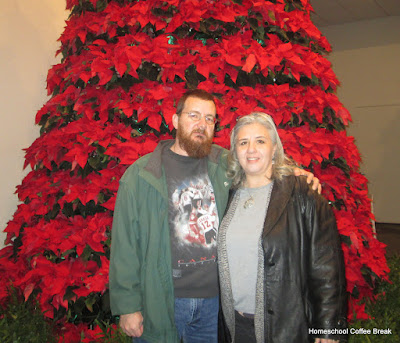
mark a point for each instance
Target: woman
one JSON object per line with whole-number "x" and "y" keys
{"x": 280, "y": 261}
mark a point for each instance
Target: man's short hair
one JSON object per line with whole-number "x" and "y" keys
{"x": 195, "y": 93}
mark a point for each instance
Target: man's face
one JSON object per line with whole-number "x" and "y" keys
{"x": 195, "y": 137}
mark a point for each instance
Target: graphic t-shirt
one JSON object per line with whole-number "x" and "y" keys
{"x": 193, "y": 220}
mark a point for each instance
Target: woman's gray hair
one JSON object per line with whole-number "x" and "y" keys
{"x": 281, "y": 166}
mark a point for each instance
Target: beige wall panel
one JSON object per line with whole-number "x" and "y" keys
{"x": 366, "y": 59}
{"x": 28, "y": 41}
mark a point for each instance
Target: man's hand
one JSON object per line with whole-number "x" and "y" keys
{"x": 325, "y": 340}
{"x": 310, "y": 178}
{"x": 132, "y": 324}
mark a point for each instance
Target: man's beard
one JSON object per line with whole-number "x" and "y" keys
{"x": 194, "y": 148}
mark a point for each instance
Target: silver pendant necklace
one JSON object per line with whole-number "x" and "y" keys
{"x": 249, "y": 202}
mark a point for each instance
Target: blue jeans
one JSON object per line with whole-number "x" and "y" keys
{"x": 196, "y": 320}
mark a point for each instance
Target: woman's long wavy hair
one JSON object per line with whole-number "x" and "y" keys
{"x": 281, "y": 166}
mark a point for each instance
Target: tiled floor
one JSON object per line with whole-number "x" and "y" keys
{"x": 390, "y": 235}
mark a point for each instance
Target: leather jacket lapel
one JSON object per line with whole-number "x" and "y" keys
{"x": 280, "y": 196}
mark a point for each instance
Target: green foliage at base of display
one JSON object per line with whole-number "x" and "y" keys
{"x": 23, "y": 322}
{"x": 384, "y": 325}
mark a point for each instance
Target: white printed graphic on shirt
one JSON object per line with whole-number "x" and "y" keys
{"x": 195, "y": 220}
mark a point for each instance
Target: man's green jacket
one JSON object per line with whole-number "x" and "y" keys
{"x": 140, "y": 266}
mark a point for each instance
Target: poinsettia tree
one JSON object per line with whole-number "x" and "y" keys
{"x": 124, "y": 65}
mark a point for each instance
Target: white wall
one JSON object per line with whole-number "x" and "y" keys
{"x": 29, "y": 30}
{"x": 366, "y": 60}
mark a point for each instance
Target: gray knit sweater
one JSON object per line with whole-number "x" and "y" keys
{"x": 225, "y": 283}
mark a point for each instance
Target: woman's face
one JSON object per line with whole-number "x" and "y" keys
{"x": 255, "y": 150}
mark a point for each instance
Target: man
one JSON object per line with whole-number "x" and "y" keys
{"x": 163, "y": 268}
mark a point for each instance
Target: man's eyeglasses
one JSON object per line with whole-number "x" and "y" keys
{"x": 196, "y": 116}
